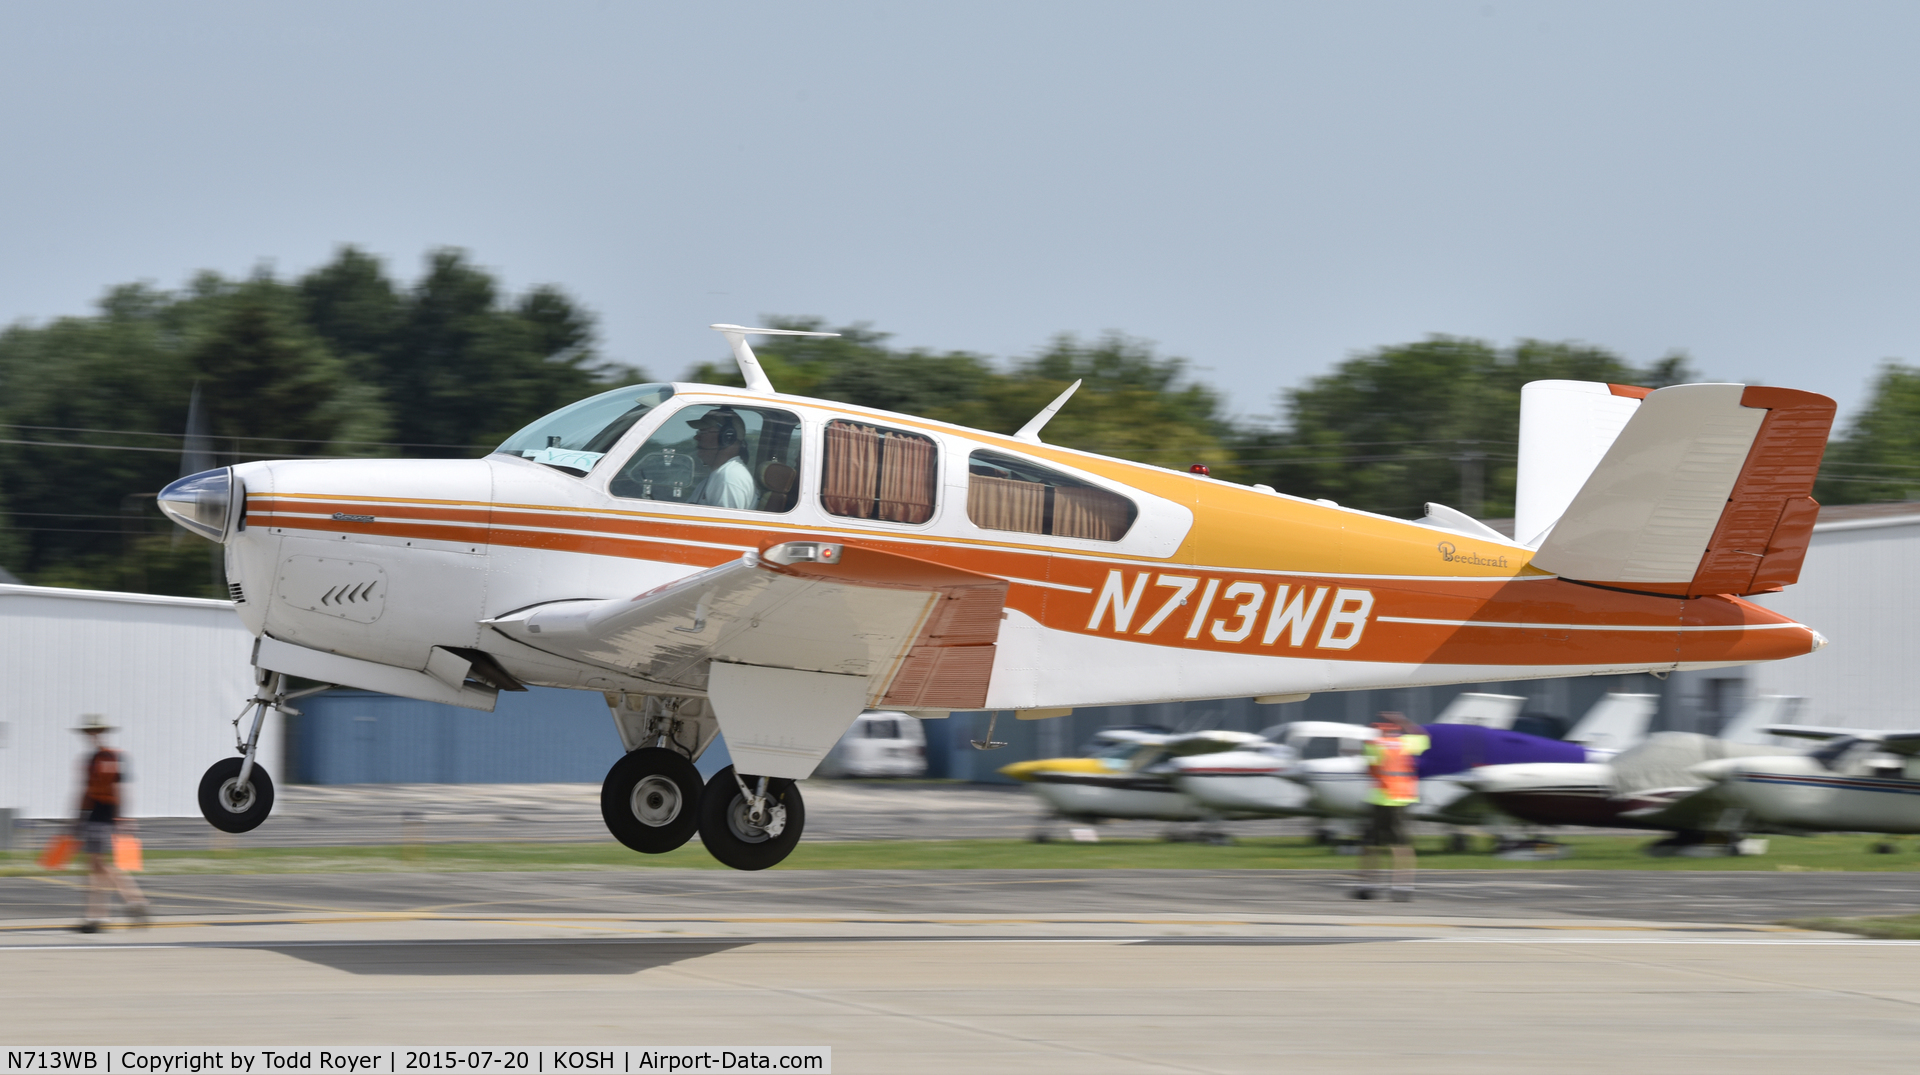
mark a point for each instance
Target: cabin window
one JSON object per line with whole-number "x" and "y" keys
{"x": 876, "y": 473}
{"x": 575, "y": 437}
{"x": 722, "y": 456}
{"x": 1006, "y": 492}
{"x": 883, "y": 729}
{"x": 1321, "y": 746}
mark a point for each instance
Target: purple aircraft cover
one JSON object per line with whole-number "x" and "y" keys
{"x": 1456, "y": 748}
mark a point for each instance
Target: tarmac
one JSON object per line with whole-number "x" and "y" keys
{"x": 1100, "y": 971}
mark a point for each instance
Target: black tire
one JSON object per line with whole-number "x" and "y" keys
{"x": 733, "y": 839}
{"x": 651, "y": 800}
{"x": 231, "y": 809}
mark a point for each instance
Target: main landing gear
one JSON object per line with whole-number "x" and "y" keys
{"x": 653, "y": 799}
{"x": 236, "y": 794}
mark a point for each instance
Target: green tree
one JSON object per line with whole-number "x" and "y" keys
{"x": 1396, "y": 427}
{"x": 1879, "y": 456}
{"x": 1134, "y": 404}
{"x": 271, "y": 387}
{"x": 464, "y": 369}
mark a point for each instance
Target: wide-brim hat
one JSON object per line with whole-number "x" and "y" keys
{"x": 92, "y": 723}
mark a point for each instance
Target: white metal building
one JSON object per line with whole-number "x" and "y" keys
{"x": 1858, "y": 588}
{"x": 170, "y": 672}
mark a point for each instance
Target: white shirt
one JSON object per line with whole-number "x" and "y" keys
{"x": 729, "y": 486}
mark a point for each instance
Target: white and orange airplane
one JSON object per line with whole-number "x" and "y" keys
{"x": 733, "y": 560}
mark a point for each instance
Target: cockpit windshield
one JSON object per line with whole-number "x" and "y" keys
{"x": 575, "y": 437}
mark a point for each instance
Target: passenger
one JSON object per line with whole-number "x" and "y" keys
{"x": 718, "y": 439}
{"x": 99, "y": 822}
{"x": 1396, "y": 786}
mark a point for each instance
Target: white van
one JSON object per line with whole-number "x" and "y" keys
{"x": 880, "y": 743}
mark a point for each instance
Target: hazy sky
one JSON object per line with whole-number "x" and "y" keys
{"x": 1263, "y": 188}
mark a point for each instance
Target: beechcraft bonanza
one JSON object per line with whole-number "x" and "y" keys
{"x": 764, "y": 566}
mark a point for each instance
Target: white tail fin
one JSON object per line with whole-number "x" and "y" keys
{"x": 1704, "y": 491}
{"x": 1486, "y": 710}
{"x": 1615, "y": 722}
{"x": 1566, "y": 428}
{"x": 1750, "y": 724}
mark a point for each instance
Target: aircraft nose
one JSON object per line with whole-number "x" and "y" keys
{"x": 1716, "y": 770}
{"x": 200, "y": 502}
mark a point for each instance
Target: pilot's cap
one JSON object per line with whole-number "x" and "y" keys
{"x": 719, "y": 418}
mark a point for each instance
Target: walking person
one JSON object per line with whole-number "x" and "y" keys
{"x": 1396, "y": 786}
{"x": 99, "y": 821}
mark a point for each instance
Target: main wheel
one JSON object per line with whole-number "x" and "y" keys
{"x": 738, "y": 839}
{"x": 231, "y": 806}
{"x": 651, "y": 800}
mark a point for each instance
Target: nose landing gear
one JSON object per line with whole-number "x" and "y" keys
{"x": 236, "y": 794}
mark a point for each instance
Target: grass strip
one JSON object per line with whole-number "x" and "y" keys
{"x": 1898, "y": 928}
{"x": 1792, "y": 854}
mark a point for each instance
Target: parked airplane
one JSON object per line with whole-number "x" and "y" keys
{"x": 1856, "y": 781}
{"x": 1655, "y": 785}
{"x": 721, "y": 559}
{"x": 1473, "y": 731}
{"x": 1128, "y": 777}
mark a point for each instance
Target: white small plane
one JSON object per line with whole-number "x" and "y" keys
{"x": 1129, "y": 776}
{"x": 738, "y": 560}
{"x": 1857, "y": 781}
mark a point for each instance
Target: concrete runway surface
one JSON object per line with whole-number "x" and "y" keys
{"x": 977, "y": 971}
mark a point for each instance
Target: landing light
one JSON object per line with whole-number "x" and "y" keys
{"x": 200, "y": 502}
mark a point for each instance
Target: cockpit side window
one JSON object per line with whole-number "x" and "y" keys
{"x": 575, "y": 437}
{"x": 1321, "y": 746}
{"x": 723, "y": 456}
{"x": 872, "y": 472}
{"x": 1006, "y": 492}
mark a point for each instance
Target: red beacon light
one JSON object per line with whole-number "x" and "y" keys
{"x": 1200, "y": 468}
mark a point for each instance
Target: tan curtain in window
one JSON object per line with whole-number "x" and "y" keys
{"x": 1006, "y": 504}
{"x": 852, "y": 472}
{"x": 907, "y": 479}
{"x": 1090, "y": 513}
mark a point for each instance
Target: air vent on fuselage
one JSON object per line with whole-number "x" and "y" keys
{"x": 236, "y": 594}
{"x": 350, "y": 589}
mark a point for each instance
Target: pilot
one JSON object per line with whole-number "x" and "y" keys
{"x": 719, "y": 436}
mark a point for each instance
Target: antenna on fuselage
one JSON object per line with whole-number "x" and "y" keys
{"x": 750, "y": 370}
{"x": 1031, "y": 431}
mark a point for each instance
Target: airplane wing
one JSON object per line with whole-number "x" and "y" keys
{"x": 1809, "y": 731}
{"x": 1706, "y": 490}
{"x": 922, "y": 634}
{"x": 1907, "y": 743}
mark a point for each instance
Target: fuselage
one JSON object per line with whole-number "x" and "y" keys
{"x": 1800, "y": 793}
{"x": 1208, "y": 590}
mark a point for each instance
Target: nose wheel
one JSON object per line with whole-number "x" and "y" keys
{"x": 751, "y": 822}
{"x": 232, "y": 804}
{"x": 651, "y": 800}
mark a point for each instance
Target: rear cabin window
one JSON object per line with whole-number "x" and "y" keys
{"x": 1006, "y": 492}
{"x": 876, "y": 473}
{"x": 745, "y": 458}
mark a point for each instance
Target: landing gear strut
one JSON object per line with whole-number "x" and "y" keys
{"x": 753, "y": 822}
{"x": 236, "y": 794}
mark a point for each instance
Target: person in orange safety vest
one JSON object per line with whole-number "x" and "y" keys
{"x": 1396, "y": 785}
